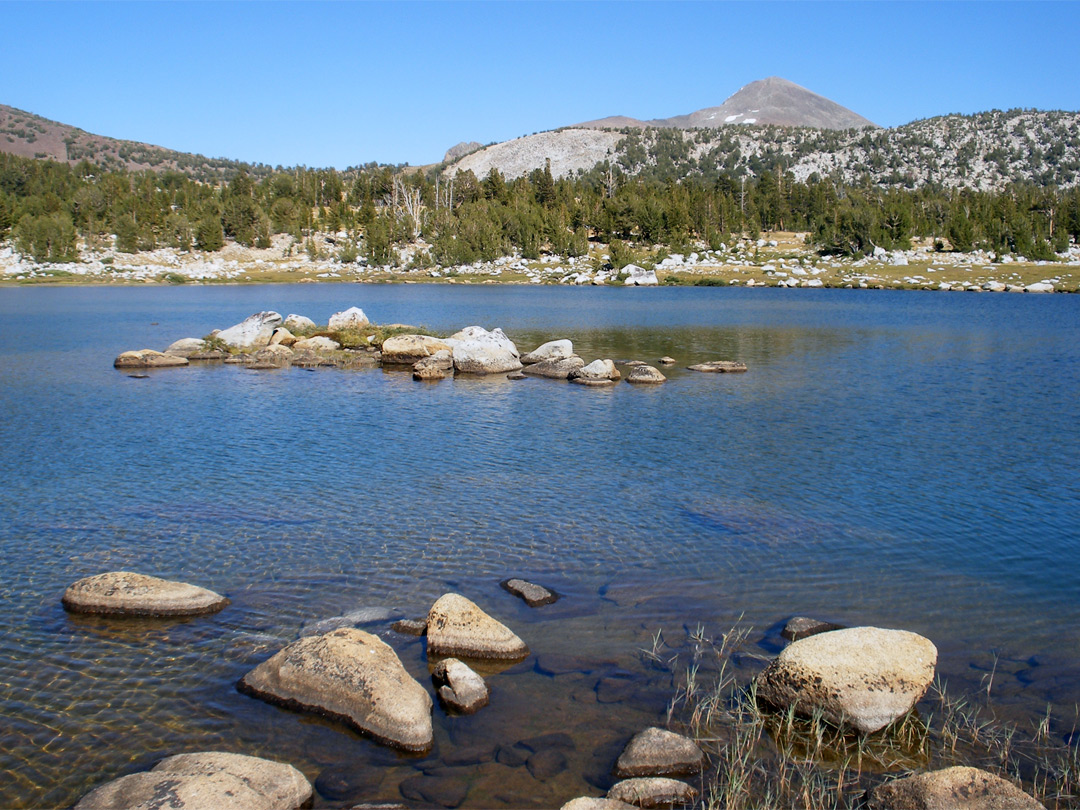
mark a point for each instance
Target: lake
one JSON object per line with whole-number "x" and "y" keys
{"x": 899, "y": 459}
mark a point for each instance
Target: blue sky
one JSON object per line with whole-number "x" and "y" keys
{"x": 338, "y": 84}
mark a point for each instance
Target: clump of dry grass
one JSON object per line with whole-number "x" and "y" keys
{"x": 760, "y": 759}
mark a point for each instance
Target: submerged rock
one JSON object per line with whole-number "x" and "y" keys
{"x": 863, "y": 677}
{"x": 719, "y": 367}
{"x": 205, "y": 780}
{"x": 352, "y": 676}
{"x": 653, "y": 791}
{"x": 533, "y": 594}
{"x": 801, "y": 627}
{"x": 252, "y": 332}
{"x": 351, "y": 318}
{"x": 456, "y": 626}
{"x": 658, "y": 752}
{"x": 958, "y": 788}
{"x": 148, "y": 358}
{"x": 459, "y": 686}
{"x": 552, "y": 350}
{"x": 478, "y": 351}
{"x": 410, "y": 627}
{"x": 129, "y": 594}
{"x": 645, "y": 375}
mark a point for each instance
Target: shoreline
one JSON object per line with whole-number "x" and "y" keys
{"x": 784, "y": 260}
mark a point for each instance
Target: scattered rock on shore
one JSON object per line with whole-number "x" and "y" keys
{"x": 645, "y": 375}
{"x": 406, "y": 350}
{"x": 253, "y": 331}
{"x": 958, "y": 788}
{"x": 555, "y": 369}
{"x": 205, "y": 780}
{"x": 435, "y": 367}
{"x": 319, "y": 343}
{"x": 185, "y": 347}
{"x": 352, "y": 676}
{"x": 456, "y": 626}
{"x": 863, "y": 677}
{"x": 459, "y": 686}
{"x": 298, "y": 323}
{"x": 129, "y": 594}
{"x": 653, "y": 791}
{"x": 719, "y": 367}
{"x": 351, "y": 318}
{"x": 658, "y": 752}
{"x": 589, "y": 803}
{"x": 283, "y": 336}
{"x": 552, "y": 350}
{"x": 533, "y": 594}
{"x": 148, "y": 358}
{"x": 598, "y": 372}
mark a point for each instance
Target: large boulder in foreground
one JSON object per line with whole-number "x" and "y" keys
{"x": 552, "y": 350}
{"x": 862, "y": 677}
{"x": 351, "y": 676}
{"x": 129, "y": 594}
{"x": 407, "y": 350}
{"x": 148, "y": 358}
{"x": 351, "y": 318}
{"x": 959, "y": 788}
{"x": 478, "y": 351}
{"x": 456, "y": 626}
{"x": 252, "y": 332}
{"x": 206, "y": 780}
{"x": 659, "y": 752}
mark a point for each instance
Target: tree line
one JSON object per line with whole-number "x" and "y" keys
{"x": 45, "y": 206}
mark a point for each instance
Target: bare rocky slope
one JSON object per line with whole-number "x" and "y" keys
{"x": 985, "y": 151}
{"x": 28, "y": 135}
{"x": 766, "y": 101}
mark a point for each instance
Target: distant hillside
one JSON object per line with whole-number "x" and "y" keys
{"x": 986, "y": 151}
{"x": 29, "y": 135}
{"x": 766, "y": 101}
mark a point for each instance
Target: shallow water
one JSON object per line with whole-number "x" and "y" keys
{"x": 893, "y": 458}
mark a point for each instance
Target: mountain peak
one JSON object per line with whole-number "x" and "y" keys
{"x": 773, "y": 100}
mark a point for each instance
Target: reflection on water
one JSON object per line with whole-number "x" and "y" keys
{"x": 906, "y": 460}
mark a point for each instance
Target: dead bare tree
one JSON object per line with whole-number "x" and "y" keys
{"x": 407, "y": 202}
